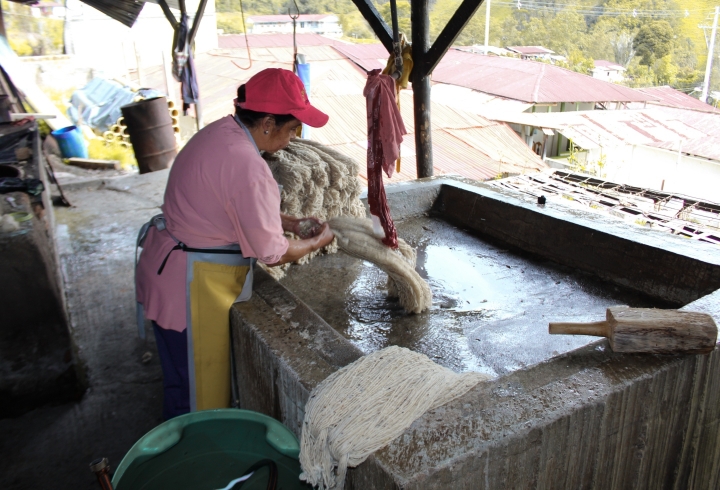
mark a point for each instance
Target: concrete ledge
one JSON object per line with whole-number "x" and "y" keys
{"x": 588, "y": 419}
{"x": 663, "y": 266}
{"x": 283, "y": 350}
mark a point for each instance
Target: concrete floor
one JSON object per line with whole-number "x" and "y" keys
{"x": 51, "y": 447}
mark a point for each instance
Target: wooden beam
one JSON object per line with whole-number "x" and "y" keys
{"x": 168, "y": 14}
{"x": 421, "y": 88}
{"x": 196, "y": 21}
{"x": 448, "y": 35}
{"x": 377, "y": 24}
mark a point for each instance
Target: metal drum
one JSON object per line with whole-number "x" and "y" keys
{"x": 151, "y": 133}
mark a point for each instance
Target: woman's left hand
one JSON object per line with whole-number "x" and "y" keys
{"x": 307, "y": 227}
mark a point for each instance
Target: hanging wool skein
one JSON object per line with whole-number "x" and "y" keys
{"x": 356, "y": 237}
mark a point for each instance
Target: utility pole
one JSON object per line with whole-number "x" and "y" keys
{"x": 487, "y": 26}
{"x": 708, "y": 65}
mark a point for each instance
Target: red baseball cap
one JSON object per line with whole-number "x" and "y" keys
{"x": 278, "y": 91}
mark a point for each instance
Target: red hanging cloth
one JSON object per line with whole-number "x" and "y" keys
{"x": 385, "y": 134}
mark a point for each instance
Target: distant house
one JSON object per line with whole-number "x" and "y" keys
{"x": 50, "y": 10}
{"x": 532, "y": 52}
{"x": 480, "y": 48}
{"x": 608, "y": 71}
{"x": 323, "y": 24}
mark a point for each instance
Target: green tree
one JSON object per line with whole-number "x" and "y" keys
{"x": 354, "y": 26}
{"x": 230, "y": 22}
{"x": 623, "y": 47}
{"x": 403, "y": 14}
{"x": 29, "y": 35}
{"x": 653, "y": 41}
{"x": 665, "y": 71}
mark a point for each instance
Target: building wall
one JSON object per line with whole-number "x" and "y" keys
{"x": 113, "y": 50}
{"x": 655, "y": 168}
{"x": 613, "y": 76}
{"x": 329, "y": 27}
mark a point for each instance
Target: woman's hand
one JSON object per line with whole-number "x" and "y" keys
{"x": 307, "y": 227}
{"x": 300, "y": 248}
{"x": 323, "y": 236}
{"x": 302, "y": 227}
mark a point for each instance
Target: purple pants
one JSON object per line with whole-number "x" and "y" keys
{"x": 173, "y": 351}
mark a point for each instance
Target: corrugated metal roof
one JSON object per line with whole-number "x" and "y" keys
{"x": 473, "y": 101}
{"x": 124, "y": 11}
{"x": 231, "y": 41}
{"x": 367, "y": 56}
{"x": 511, "y": 78}
{"x": 670, "y": 97}
{"x": 463, "y": 143}
{"x": 708, "y": 123}
{"x": 608, "y": 64}
{"x": 528, "y": 81}
{"x": 692, "y": 132}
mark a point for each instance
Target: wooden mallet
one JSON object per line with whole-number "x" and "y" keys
{"x": 649, "y": 330}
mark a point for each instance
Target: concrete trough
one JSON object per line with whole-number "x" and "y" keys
{"x": 558, "y": 413}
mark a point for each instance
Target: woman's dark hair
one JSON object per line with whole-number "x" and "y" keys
{"x": 252, "y": 118}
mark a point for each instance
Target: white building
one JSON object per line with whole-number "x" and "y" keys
{"x": 50, "y": 10}
{"x": 113, "y": 49}
{"x": 608, "y": 71}
{"x": 323, "y": 24}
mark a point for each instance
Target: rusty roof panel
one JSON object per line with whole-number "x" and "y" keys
{"x": 523, "y": 80}
{"x": 529, "y": 81}
{"x": 367, "y": 56}
{"x": 668, "y": 96}
{"x": 463, "y": 143}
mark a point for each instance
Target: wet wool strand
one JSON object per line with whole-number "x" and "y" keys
{"x": 365, "y": 405}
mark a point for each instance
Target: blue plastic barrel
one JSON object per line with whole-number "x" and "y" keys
{"x": 303, "y": 72}
{"x": 71, "y": 142}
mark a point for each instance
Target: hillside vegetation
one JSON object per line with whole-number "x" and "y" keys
{"x": 658, "y": 41}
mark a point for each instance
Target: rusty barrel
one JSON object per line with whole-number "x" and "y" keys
{"x": 151, "y": 133}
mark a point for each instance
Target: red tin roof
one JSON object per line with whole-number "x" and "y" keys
{"x": 528, "y": 81}
{"x": 670, "y": 97}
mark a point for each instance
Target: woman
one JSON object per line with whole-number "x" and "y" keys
{"x": 221, "y": 212}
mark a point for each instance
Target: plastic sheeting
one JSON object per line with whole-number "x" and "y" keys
{"x": 98, "y": 103}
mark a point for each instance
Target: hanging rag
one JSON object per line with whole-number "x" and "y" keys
{"x": 183, "y": 65}
{"x": 385, "y": 134}
{"x": 401, "y": 83}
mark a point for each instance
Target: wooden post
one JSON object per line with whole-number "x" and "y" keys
{"x": 2, "y": 24}
{"x": 421, "y": 88}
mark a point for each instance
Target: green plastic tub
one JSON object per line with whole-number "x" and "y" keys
{"x": 207, "y": 450}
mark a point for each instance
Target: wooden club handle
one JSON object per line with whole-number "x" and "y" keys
{"x": 598, "y": 329}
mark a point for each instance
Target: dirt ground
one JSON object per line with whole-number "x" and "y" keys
{"x": 51, "y": 447}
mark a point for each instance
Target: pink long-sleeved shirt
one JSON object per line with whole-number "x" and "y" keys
{"x": 220, "y": 191}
